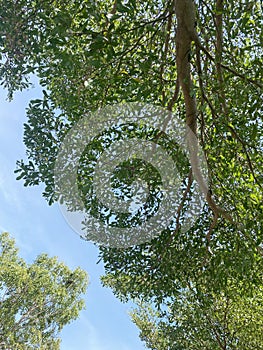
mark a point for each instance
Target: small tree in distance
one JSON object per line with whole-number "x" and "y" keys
{"x": 36, "y": 300}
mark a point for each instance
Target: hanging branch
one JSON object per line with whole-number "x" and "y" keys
{"x": 186, "y": 34}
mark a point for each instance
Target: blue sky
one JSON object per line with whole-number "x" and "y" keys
{"x": 38, "y": 228}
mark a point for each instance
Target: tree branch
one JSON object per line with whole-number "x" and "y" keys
{"x": 186, "y": 33}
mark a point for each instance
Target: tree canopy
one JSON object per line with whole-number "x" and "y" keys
{"x": 197, "y": 319}
{"x": 36, "y": 300}
{"x": 200, "y": 60}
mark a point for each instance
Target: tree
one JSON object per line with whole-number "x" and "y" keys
{"x": 198, "y": 319}
{"x": 36, "y": 300}
{"x": 202, "y": 60}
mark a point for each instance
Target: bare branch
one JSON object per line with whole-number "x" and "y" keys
{"x": 186, "y": 33}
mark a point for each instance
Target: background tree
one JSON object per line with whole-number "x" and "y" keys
{"x": 36, "y": 300}
{"x": 198, "y": 319}
{"x": 201, "y": 60}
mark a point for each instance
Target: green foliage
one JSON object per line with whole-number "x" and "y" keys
{"x": 201, "y": 319}
{"x": 90, "y": 54}
{"x": 36, "y": 300}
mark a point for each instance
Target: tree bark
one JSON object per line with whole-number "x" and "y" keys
{"x": 185, "y": 35}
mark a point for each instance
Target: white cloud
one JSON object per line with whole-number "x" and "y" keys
{"x": 8, "y": 189}
{"x": 90, "y": 338}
